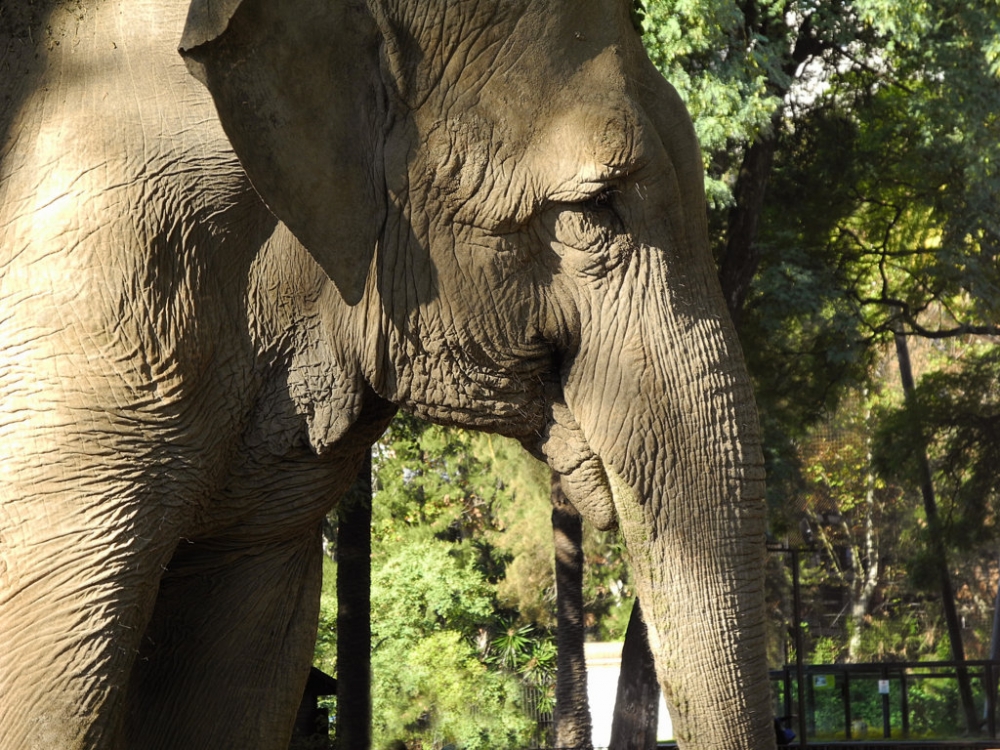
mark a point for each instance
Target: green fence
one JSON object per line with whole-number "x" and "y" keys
{"x": 888, "y": 701}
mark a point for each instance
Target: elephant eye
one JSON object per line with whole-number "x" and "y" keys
{"x": 600, "y": 201}
{"x": 601, "y": 207}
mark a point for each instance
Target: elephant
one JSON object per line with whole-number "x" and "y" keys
{"x": 237, "y": 235}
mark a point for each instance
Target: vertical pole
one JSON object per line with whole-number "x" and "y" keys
{"x": 904, "y": 700}
{"x": 800, "y": 670}
{"x": 845, "y": 695}
{"x": 886, "y": 726}
{"x": 788, "y": 693}
{"x": 811, "y": 698}
{"x": 991, "y": 670}
{"x": 354, "y": 706}
{"x": 990, "y": 674}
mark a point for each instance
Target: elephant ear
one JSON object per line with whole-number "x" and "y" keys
{"x": 297, "y": 88}
{"x": 670, "y": 119}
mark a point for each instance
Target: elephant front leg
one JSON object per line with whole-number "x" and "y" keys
{"x": 78, "y": 577}
{"x": 225, "y": 658}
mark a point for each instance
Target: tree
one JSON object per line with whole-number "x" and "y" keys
{"x": 837, "y": 113}
{"x": 852, "y": 517}
{"x": 430, "y": 680}
{"x": 948, "y": 428}
{"x": 955, "y": 412}
{"x": 572, "y": 710}
{"x": 432, "y": 621}
{"x": 435, "y": 569}
{"x": 937, "y": 549}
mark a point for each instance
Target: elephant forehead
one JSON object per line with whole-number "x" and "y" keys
{"x": 490, "y": 166}
{"x": 585, "y": 145}
{"x": 527, "y": 46}
{"x": 517, "y": 65}
{"x": 481, "y": 174}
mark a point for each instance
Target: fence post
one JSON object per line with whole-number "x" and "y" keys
{"x": 905, "y": 703}
{"x": 845, "y": 689}
{"x": 799, "y": 655}
{"x": 886, "y": 724}
{"x": 787, "y": 673}
{"x": 991, "y": 699}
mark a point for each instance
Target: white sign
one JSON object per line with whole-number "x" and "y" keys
{"x": 883, "y": 687}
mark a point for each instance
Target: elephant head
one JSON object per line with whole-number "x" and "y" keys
{"x": 509, "y": 198}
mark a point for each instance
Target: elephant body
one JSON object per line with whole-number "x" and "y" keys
{"x": 170, "y": 396}
{"x": 187, "y": 384}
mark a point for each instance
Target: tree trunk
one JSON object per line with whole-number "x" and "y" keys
{"x": 741, "y": 256}
{"x": 571, "y": 718}
{"x": 637, "y": 703}
{"x": 937, "y": 546}
{"x": 354, "y": 710}
{"x": 738, "y": 264}
{"x": 866, "y": 555}
{"x": 865, "y": 581}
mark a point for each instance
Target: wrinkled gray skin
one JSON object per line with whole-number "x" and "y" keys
{"x": 505, "y": 224}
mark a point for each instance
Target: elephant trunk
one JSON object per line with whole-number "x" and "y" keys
{"x": 666, "y": 405}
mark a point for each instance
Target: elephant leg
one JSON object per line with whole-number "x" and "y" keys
{"x": 226, "y": 656}
{"x": 78, "y": 577}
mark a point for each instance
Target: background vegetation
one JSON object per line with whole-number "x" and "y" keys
{"x": 463, "y": 590}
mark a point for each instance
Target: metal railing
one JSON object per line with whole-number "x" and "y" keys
{"x": 906, "y": 701}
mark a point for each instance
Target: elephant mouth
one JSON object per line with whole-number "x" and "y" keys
{"x": 585, "y": 480}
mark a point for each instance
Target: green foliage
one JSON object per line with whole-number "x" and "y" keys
{"x": 518, "y": 649}
{"x": 432, "y": 478}
{"x": 421, "y": 588}
{"x": 884, "y": 193}
{"x": 954, "y": 418}
{"x": 702, "y": 47}
{"x": 441, "y": 692}
{"x": 430, "y": 682}
{"x": 825, "y": 650}
{"x": 936, "y": 708}
{"x": 512, "y": 645}
{"x": 325, "y": 651}
{"x": 449, "y": 484}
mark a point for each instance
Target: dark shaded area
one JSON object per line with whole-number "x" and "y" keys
{"x": 637, "y": 703}
{"x": 354, "y": 634}
{"x": 312, "y": 722}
